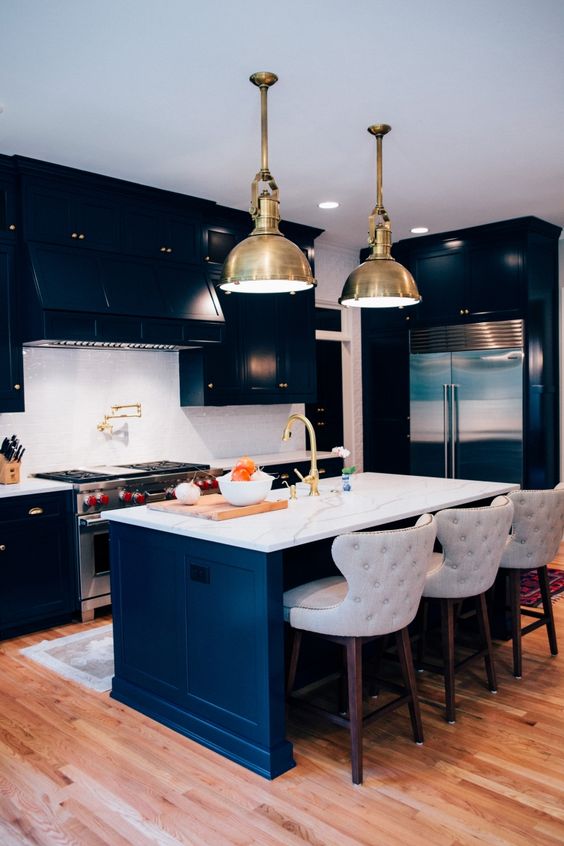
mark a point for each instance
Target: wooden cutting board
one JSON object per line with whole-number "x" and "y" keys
{"x": 216, "y": 507}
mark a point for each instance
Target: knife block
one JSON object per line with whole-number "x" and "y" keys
{"x": 9, "y": 472}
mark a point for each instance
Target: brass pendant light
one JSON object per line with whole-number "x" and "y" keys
{"x": 380, "y": 281}
{"x": 266, "y": 262}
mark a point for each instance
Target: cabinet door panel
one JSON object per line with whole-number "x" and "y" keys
{"x": 186, "y": 291}
{"x": 441, "y": 279}
{"x": 259, "y": 339}
{"x": 183, "y": 237}
{"x": 69, "y": 279}
{"x": 296, "y": 344}
{"x": 495, "y": 278}
{"x": 35, "y": 578}
{"x": 11, "y": 361}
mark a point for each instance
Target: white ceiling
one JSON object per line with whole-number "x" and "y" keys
{"x": 158, "y": 93}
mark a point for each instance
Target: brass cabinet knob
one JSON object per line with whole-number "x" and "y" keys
{"x": 320, "y": 423}
{"x": 321, "y": 409}
{"x": 81, "y": 236}
{"x": 408, "y": 317}
{"x": 282, "y": 384}
{"x": 74, "y": 234}
{"x": 169, "y": 249}
{"x": 284, "y": 475}
{"x": 17, "y": 387}
{"x": 210, "y": 385}
{"x": 206, "y": 258}
{"x": 322, "y": 471}
{"x": 34, "y": 512}
{"x": 12, "y": 227}
{"x": 2, "y": 547}
{"x": 163, "y": 249}
{"x": 467, "y": 311}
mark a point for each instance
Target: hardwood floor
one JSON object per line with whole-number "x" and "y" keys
{"x": 78, "y": 768}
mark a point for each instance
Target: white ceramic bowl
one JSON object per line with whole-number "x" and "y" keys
{"x": 245, "y": 493}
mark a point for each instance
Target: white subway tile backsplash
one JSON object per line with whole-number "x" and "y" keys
{"x": 68, "y": 391}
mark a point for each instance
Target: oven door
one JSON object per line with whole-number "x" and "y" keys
{"x": 94, "y": 546}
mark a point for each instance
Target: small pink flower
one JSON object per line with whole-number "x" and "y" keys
{"x": 341, "y": 452}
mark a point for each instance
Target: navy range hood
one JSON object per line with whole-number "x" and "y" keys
{"x": 90, "y": 298}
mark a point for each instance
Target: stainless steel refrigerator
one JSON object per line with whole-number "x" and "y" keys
{"x": 466, "y": 401}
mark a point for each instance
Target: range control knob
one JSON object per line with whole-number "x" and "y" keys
{"x": 138, "y": 498}
{"x": 125, "y": 496}
{"x": 169, "y": 493}
{"x": 102, "y": 499}
{"x": 90, "y": 501}
{"x": 214, "y": 484}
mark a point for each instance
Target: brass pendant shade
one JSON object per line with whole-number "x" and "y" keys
{"x": 380, "y": 281}
{"x": 266, "y": 262}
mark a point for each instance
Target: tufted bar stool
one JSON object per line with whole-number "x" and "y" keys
{"x": 384, "y": 573}
{"x": 536, "y": 533}
{"x": 472, "y": 540}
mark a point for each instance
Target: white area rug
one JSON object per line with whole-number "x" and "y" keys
{"x": 86, "y": 657}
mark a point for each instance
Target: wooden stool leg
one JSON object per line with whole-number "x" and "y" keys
{"x": 515, "y": 605}
{"x": 423, "y": 619}
{"x": 408, "y": 671}
{"x": 296, "y": 643}
{"x": 354, "y": 673}
{"x": 547, "y": 608}
{"x": 447, "y": 637}
{"x": 484, "y": 626}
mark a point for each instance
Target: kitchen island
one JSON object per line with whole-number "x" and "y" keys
{"x": 197, "y": 604}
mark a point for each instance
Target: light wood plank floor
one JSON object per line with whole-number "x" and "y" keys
{"x": 78, "y": 768}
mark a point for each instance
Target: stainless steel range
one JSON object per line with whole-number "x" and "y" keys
{"x": 100, "y": 488}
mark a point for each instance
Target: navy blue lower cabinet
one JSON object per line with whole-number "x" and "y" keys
{"x": 37, "y": 562}
{"x": 199, "y": 642}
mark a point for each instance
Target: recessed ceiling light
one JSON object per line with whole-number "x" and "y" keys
{"x": 419, "y": 230}
{"x": 329, "y": 204}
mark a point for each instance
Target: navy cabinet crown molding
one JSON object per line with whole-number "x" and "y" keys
{"x": 499, "y": 271}
{"x": 37, "y": 561}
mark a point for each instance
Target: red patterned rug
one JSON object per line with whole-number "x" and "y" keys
{"x": 530, "y": 592}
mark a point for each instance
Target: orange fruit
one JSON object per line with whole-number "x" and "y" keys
{"x": 240, "y": 474}
{"x": 246, "y": 463}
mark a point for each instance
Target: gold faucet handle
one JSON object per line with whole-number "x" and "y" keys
{"x": 297, "y": 472}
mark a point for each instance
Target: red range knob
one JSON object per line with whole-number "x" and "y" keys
{"x": 214, "y": 484}
{"x": 103, "y": 499}
{"x": 90, "y": 501}
{"x": 125, "y": 496}
{"x": 138, "y": 498}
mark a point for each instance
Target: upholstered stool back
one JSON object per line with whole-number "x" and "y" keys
{"x": 473, "y": 540}
{"x": 537, "y": 527}
{"x": 385, "y": 572}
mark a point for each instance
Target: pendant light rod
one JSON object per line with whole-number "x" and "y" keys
{"x": 263, "y": 80}
{"x": 379, "y": 130}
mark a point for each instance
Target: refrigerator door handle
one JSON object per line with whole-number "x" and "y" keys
{"x": 453, "y": 429}
{"x": 446, "y": 426}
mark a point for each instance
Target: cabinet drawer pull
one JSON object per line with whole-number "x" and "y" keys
{"x": 163, "y": 249}
{"x": 12, "y": 227}
{"x": 282, "y": 384}
{"x": 81, "y": 236}
{"x": 284, "y": 476}
{"x": 169, "y": 249}
{"x": 17, "y": 387}
{"x": 320, "y": 423}
{"x": 2, "y": 547}
{"x": 321, "y": 409}
{"x": 210, "y": 385}
{"x": 34, "y": 512}
{"x": 322, "y": 471}
{"x": 74, "y": 234}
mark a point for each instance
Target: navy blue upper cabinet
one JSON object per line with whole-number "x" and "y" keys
{"x": 11, "y": 361}
{"x": 8, "y": 200}
{"x": 152, "y": 231}
{"x": 62, "y": 214}
{"x": 476, "y": 274}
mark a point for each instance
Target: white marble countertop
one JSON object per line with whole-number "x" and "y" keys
{"x": 33, "y": 486}
{"x": 376, "y": 499}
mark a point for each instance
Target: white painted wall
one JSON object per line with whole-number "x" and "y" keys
{"x": 68, "y": 391}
